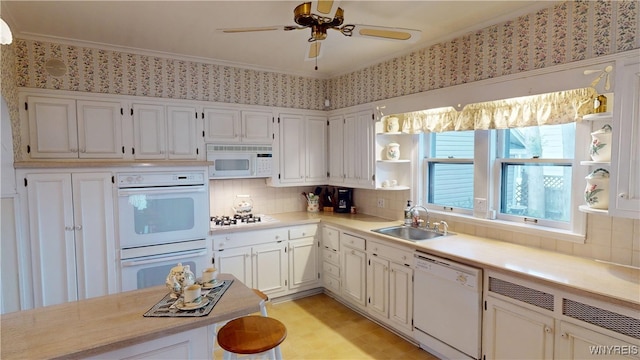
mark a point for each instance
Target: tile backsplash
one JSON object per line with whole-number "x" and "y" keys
{"x": 608, "y": 238}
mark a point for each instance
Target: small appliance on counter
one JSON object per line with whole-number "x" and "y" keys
{"x": 345, "y": 200}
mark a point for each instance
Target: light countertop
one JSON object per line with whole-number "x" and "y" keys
{"x": 606, "y": 281}
{"x": 88, "y": 327}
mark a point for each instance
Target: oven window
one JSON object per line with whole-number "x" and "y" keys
{"x": 157, "y": 275}
{"x": 232, "y": 164}
{"x": 151, "y": 215}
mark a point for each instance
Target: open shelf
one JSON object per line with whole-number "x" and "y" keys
{"x": 598, "y": 116}
{"x": 595, "y": 163}
{"x": 394, "y": 161}
{"x": 587, "y": 209}
{"x": 397, "y": 187}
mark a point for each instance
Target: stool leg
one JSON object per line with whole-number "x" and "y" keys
{"x": 263, "y": 308}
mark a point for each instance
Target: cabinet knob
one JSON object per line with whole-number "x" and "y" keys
{"x": 78, "y": 227}
{"x": 353, "y": 252}
{"x": 68, "y": 228}
{"x": 564, "y": 335}
{"x": 622, "y": 195}
{"x": 548, "y": 330}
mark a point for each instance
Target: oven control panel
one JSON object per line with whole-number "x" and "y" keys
{"x": 126, "y": 180}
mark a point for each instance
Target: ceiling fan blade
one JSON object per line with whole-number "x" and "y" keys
{"x": 253, "y": 29}
{"x": 314, "y": 51}
{"x": 382, "y": 32}
{"x": 326, "y": 8}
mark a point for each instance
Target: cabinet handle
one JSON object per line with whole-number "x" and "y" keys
{"x": 78, "y": 227}
{"x": 68, "y": 228}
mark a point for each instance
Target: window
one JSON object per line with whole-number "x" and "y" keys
{"x": 525, "y": 174}
{"x": 450, "y": 170}
{"x": 536, "y": 168}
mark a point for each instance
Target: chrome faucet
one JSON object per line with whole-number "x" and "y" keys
{"x": 415, "y": 214}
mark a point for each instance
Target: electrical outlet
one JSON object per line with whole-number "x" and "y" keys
{"x": 380, "y": 203}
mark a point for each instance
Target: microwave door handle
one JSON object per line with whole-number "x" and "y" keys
{"x": 127, "y": 192}
{"x": 165, "y": 258}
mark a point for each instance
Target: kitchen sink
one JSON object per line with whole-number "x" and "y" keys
{"x": 410, "y": 233}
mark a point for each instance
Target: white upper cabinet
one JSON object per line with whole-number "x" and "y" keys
{"x": 229, "y": 126}
{"x": 64, "y": 128}
{"x": 183, "y": 129}
{"x": 302, "y": 150}
{"x": 336, "y": 149}
{"x": 149, "y": 132}
{"x": 625, "y": 159}
{"x": 358, "y": 150}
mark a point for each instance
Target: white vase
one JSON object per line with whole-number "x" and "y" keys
{"x": 393, "y": 124}
{"x": 393, "y": 151}
{"x": 600, "y": 149}
{"x": 596, "y": 194}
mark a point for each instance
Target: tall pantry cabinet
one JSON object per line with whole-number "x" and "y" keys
{"x": 71, "y": 231}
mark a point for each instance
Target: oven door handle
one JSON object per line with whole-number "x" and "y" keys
{"x": 174, "y": 256}
{"x": 161, "y": 190}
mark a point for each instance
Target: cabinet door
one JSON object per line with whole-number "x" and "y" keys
{"x": 336, "y": 150}
{"x": 513, "y": 332}
{"x": 354, "y": 268}
{"x": 576, "y": 342}
{"x": 625, "y": 182}
{"x": 378, "y": 286}
{"x": 350, "y": 150}
{"x": 331, "y": 238}
{"x": 94, "y": 234}
{"x": 182, "y": 125}
{"x": 100, "y": 129}
{"x": 256, "y": 127}
{"x": 53, "y": 129}
{"x": 51, "y": 230}
{"x": 316, "y": 149}
{"x": 149, "y": 131}
{"x": 270, "y": 267}
{"x": 292, "y": 149}
{"x": 303, "y": 263}
{"x": 365, "y": 138}
{"x": 222, "y": 126}
{"x": 236, "y": 262}
{"x": 401, "y": 295}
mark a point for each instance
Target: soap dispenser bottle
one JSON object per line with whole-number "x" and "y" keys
{"x": 407, "y": 214}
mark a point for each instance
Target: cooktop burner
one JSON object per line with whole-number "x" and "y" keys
{"x": 240, "y": 220}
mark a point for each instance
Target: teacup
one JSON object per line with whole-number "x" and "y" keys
{"x": 191, "y": 293}
{"x": 209, "y": 275}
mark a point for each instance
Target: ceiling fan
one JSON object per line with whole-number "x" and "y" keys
{"x": 323, "y": 15}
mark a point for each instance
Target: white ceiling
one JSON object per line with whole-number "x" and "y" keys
{"x": 187, "y": 28}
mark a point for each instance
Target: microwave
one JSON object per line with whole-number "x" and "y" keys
{"x": 239, "y": 161}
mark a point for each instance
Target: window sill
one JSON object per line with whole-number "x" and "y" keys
{"x": 536, "y": 230}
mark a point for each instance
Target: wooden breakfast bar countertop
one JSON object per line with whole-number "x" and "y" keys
{"x": 89, "y": 327}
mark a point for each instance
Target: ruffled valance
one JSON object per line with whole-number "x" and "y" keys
{"x": 546, "y": 109}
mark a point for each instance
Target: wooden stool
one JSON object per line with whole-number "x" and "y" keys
{"x": 251, "y": 335}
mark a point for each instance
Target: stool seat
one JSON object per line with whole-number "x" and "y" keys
{"x": 251, "y": 335}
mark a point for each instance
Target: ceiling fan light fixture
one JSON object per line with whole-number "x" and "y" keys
{"x": 318, "y": 32}
{"x": 302, "y": 14}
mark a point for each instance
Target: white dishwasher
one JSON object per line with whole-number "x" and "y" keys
{"x": 447, "y": 300}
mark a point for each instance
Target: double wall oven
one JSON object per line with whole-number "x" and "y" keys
{"x": 163, "y": 220}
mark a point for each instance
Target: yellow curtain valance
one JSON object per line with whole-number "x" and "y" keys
{"x": 546, "y": 109}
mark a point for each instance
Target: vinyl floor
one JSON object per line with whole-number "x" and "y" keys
{"x": 319, "y": 327}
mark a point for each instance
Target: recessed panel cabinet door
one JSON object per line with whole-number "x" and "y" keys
{"x": 52, "y": 127}
{"x": 336, "y": 150}
{"x": 316, "y": 149}
{"x": 378, "y": 286}
{"x": 354, "y": 275}
{"x": 51, "y": 230}
{"x": 149, "y": 131}
{"x": 236, "y": 262}
{"x": 303, "y": 263}
{"x": 222, "y": 126}
{"x": 182, "y": 123}
{"x": 270, "y": 267}
{"x": 401, "y": 295}
{"x": 292, "y": 148}
{"x": 99, "y": 129}
{"x": 256, "y": 127}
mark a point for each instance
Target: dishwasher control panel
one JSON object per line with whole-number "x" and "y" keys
{"x": 459, "y": 274}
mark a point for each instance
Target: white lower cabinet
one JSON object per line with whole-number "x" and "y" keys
{"x": 268, "y": 261}
{"x": 390, "y": 285}
{"x": 71, "y": 230}
{"x": 513, "y": 332}
{"x": 354, "y": 269}
{"x": 191, "y": 344}
{"x": 577, "y": 342}
{"x": 330, "y": 250}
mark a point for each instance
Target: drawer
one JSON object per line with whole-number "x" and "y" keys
{"x": 331, "y": 256}
{"x": 353, "y": 241}
{"x": 248, "y": 238}
{"x": 330, "y": 269}
{"x": 331, "y": 283}
{"x": 331, "y": 237}
{"x": 304, "y": 231}
{"x": 392, "y": 253}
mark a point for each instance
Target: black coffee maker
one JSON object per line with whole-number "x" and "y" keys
{"x": 345, "y": 200}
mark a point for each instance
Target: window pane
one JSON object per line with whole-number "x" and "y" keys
{"x": 537, "y": 191}
{"x": 546, "y": 142}
{"x": 451, "y": 185}
{"x": 452, "y": 144}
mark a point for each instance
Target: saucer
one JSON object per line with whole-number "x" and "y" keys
{"x": 204, "y": 301}
{"x": 213, "y": 284}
